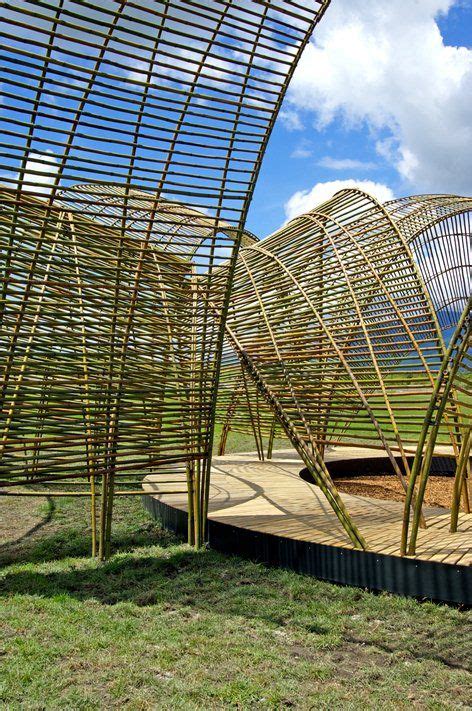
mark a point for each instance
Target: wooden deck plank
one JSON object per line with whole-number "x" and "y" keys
{"x": 271, "y": 497}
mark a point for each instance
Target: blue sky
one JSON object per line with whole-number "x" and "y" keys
{"x": 381, "y": 99}
{"x": 383, "y": 112}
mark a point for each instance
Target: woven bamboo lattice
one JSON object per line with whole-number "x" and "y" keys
{"x": 336, "y": 319}
{"x": 131, "y": 138}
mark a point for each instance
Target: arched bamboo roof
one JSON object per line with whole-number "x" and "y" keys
{"x": 173, "y": 227}
{"x": 335, "y": 318}
{"x": 131, "y": 137}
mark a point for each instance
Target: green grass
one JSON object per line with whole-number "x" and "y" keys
{"x": 161, "y": 626}
{"x": 244, "y": 442}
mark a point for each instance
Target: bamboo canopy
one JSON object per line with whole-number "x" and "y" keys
{"x": 131, "y": 138}
{"x": 337, "y": 320}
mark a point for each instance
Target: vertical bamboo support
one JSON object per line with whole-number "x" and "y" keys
{"x": 270, "y": 445}
{"x": 194, "y": 473}
{"x": 41, "y": 416}
{"x": 429, "y": 433}
{"x": 125, "y": 367}
{"x": 255, "y": 430}
{"x": 230, "y": 412}
{"x": 87, "y": 403}
{"x": 460, "y": 481}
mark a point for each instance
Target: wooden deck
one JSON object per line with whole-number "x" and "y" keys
{"x": 270, "y": 497}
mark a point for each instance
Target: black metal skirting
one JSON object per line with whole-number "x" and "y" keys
{"x": 372, "y": 466}
{"x": 373, "y": 571}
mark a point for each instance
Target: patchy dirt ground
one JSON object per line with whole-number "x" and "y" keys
{"x": 438, "y": 490}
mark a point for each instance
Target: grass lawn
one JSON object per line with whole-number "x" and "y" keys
{"x": 238, "y": 442}
{"x": 160, "y": 626}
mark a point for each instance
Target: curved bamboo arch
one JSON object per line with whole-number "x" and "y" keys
{"x": 132, "y": 142}
{"x": 446, "y": 221}
{"x": 181, "y": 229}
{"x": 457, "y": 355}
{"x": 353, "y": 247}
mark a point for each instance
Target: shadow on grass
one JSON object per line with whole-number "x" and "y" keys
{"x": 63, "y": 531}
{"x": 181, "y": 579}
{"x": 174, "y": 579}
{"x": 47, "y": 518}
{"x": 177, "y": 578}
{"x": 76, "y": 544}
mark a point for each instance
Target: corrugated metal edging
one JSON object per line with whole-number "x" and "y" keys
{"x": 372, "y": 571}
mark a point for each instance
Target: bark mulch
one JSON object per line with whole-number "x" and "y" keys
{"x": 438, "y": 490}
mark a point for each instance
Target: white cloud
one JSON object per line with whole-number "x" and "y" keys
{"x": 40, "y": 173}
{"x": 345, "y": 164}
{"x": 385, "y": 64}
{"x": 303, "y": 150}
{"x": 304, "y": 200}
{"x": 291, "y": 120}
{"x": 183, "y": 68}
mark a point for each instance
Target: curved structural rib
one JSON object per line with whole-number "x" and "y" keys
{"x": 452, "y": 376}
{"x": 159, "y": 112}
{"x": 336, "y": 315}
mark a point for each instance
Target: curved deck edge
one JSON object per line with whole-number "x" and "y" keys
{"x": 430, "y": 580}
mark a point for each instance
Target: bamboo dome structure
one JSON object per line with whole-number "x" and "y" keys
{"x": 338, "y": 323}
{"x": 136, "y": 312}
{"x": 131, "y": 138}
